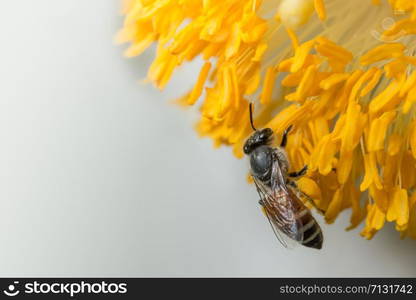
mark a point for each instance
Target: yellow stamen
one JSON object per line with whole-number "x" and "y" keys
{"x": 320, "y": 9}
{"x": 197, "y": 90}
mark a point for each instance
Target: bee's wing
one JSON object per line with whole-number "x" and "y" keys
{"x": 281, "y": 237}
{"x": 287, "y": 204}
{"x": 280, "y": 206}
{"x": 277, "y": 180}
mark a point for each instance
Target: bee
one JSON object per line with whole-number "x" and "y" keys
{"x": 279, "y": 195}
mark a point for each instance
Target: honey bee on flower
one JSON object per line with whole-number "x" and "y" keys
{"x": 330, "y": 68}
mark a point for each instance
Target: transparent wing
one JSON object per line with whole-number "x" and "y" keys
{"x": 281, "y": 206}
{"x": 285, "y": 204}
{"x": 277, "y": 232}
{"x": 277, "y": 180}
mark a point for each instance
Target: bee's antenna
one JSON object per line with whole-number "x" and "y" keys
{"x": 251, "y": 116}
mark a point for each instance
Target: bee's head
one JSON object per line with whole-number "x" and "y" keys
{"x": 258, "y": 138}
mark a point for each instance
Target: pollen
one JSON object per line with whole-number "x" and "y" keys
{"x": 331, "y": 68}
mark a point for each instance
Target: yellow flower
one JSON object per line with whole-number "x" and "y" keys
{"x": 342, "y": 72}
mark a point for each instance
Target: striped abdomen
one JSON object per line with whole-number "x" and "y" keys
{"x": 299, "y": 225}
{"x": 312, "y": 233}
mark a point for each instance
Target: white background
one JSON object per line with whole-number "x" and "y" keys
{"x": 100, "y": 176}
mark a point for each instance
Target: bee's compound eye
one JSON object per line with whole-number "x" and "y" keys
{"x": 248, "y": 146}
{"x": 246, "y": 149}
{"x": 266, "y": 133}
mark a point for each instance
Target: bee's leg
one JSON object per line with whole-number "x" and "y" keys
{"x": 299, "y": 173}
{"x": 284, "y": 137}
{"x": 301, "y": 194}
